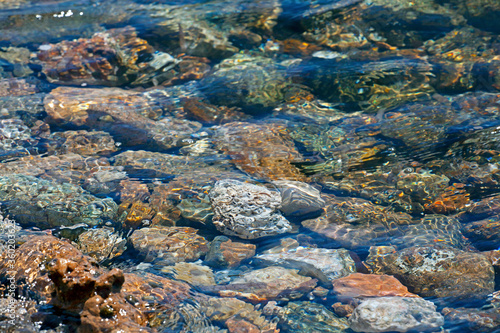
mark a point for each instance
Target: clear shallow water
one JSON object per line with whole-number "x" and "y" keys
{"x": 373, "y": 124}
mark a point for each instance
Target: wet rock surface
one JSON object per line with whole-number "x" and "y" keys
{"x": 416, "y": 267}
{"x": 246, "y": 210}
{"x": 228, "y": 166}
{"x": 400, "y": 314}
{"x": 169, "y": 245}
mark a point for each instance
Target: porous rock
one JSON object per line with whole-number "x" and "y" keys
{"x": 246, "y": 210}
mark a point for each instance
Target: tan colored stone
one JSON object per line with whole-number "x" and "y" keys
{"x": 359, "y": 285}
{"x": 241, "y": 326}
{"x": 224, "y": 252}
{"x": 169, "y": 245}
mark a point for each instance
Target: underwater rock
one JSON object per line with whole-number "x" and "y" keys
{"x": 15, "y": 315}
{"x": 47, "y": 204}
{"x": 361, "y": 286}
{"x": 101, "y": 243}
{"x": 194, "y": 274}
{"x": 212, "y": 114}
{"x": 251, "y": 82}
{"x": 261, "y": 150}
{"x": 159, "y": 165}
{"x": 20, "y": 87}
{"x": 82, "y": 143}
{"x": 369, "y": 84}
{"x": 127, "y": 115}
{"x": 224, "y": 309}
{"x": 16, "y": 139}
{"x": 112, "y": 57}
{"x": 246, "y": 210}
{"x": 400, "y": 314}
{"x": 169, "y": 245}
{"x": 432, "y": 271}
{"x": 298, "y": 198}
{"x": 223, "y": 252}
{"x": 271, "y": 283}
{"x": 333, "y": 263}
{"x": 479, "y": 13}
{"x": 310, "y": 317}
{"x": 355, "y": 223}
{"x": 475, "y": 320}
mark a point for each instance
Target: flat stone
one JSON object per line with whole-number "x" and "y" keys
{"x": 334, "y": 263}
{"x": 298, "y": 198}
{"x": 46, "y": 204}
{"x": 224, "y": 252}
{"x": 271, "y": 283}
{"x": 399, "y": 314}
{"x": 169, "y": 245}
{"x": 192, "y": 273}
{"x": 361, "y": 286}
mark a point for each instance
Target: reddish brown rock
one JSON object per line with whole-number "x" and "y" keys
{"x": 18, "y": 87}
{"x": 225, "y": 253}
{"x": 474, "y": 319}
{"x": 241, "y": 326}
{"x": 106, "y": 58}
{"x": 105, "y": 300}
{"x": 432, "y": 271}
{"x": 169, "y": 245}
{"x": 262, "y": 150}
{"x": 82, "y": 143}
{"x": 212, "y": 114}
{"x": 126, "y": 115}
{"x": 271, "y": 283}
{"x": 359, "y": 285}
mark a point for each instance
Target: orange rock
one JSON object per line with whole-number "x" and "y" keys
{"x": 226, "y": 253}
{"x": 359, "y": 285}
{"x": 241, "y": 326}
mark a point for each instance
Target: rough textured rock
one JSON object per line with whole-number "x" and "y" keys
{"x": 47, "y": 204}
{"x": 400, "y": 314}
{"x": 475, "y": 320}
{"x": 101, "y": 243}
{"x": 441, "y": 272}
{"x": 19, "y": 87}
{"x": 224, "y": 309}
{"x": 225, "y": 253}
{"x": 359, "y": 285}
{"x": 248, "y": 81}
{"x": 16, "y": 314}
{"x": 310, "y": 317}
{"x": 127, "y": 115}
{"x": 261, "y": 150}
{"x": 354, "y": 222}
{"x": 113, "y": 57}
{"x": 82, "y": 142}
{"x": 246, "y": 210}
{"x": 192, "y": 273}
{"x": 169, "y": 245}
{"x": 271, "y": 283}
{"x": 333, "y": 263}
{"x": 298, "y": 198}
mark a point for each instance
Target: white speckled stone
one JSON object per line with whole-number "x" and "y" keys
{"x": 246, "y": 210}
{"x": 395, "y": 314}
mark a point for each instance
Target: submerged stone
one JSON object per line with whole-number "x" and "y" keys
{"x": 333, "y": 263}
{"x": 399, "y": 314}
{"x": 246, "y": 210}
{"x": 310, "y": 317}
{"x": 46, "y": 204}
{"x": 432, "y": 271}
{"x": 169, "y": 245}
{"x": 224, "y": 252}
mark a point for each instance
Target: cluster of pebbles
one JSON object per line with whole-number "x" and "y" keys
{"x": 265, "y": 166}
